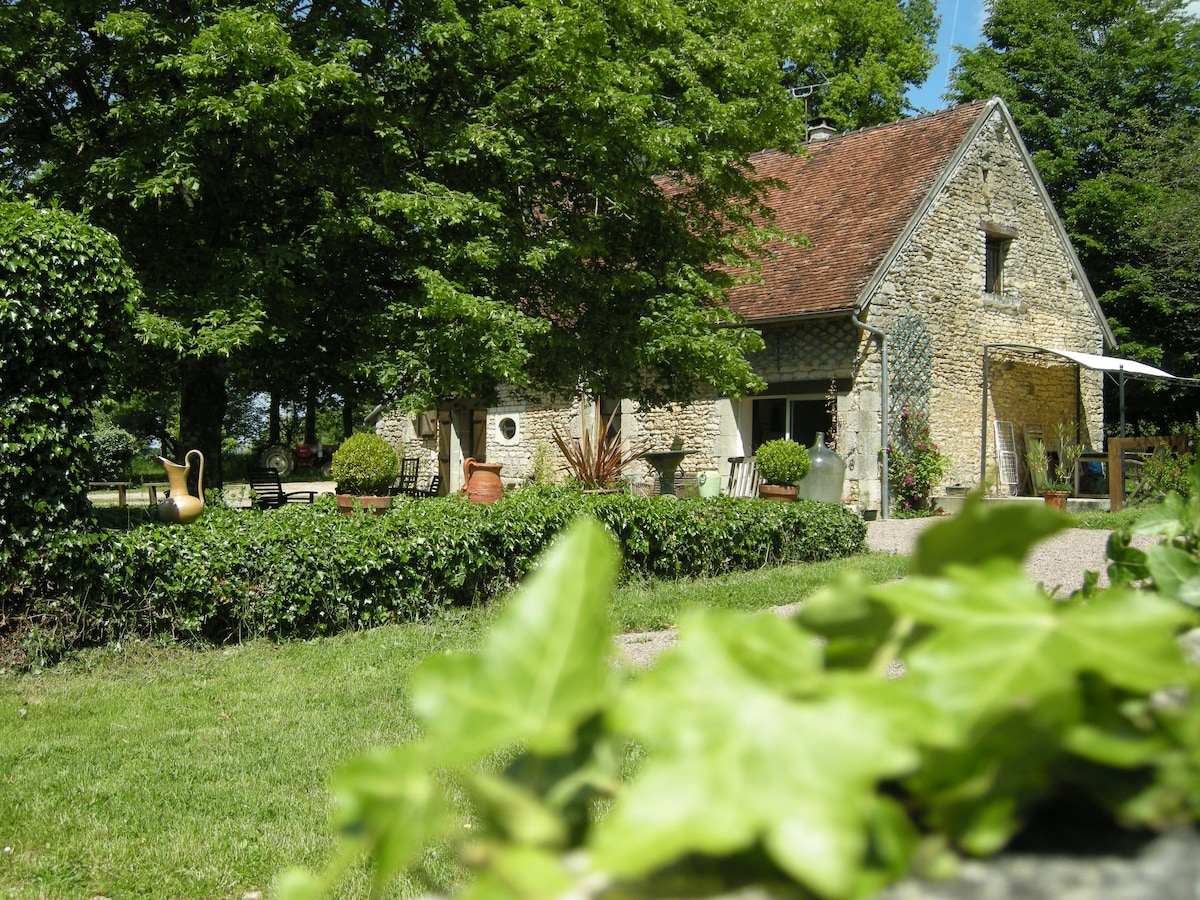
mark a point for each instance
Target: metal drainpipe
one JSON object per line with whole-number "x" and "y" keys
{"x": 886, "y": 500}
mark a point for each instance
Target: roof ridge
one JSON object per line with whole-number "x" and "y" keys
{"x": 879, "y": 126}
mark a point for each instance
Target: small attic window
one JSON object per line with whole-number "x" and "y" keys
{"x": 996, "y": 251}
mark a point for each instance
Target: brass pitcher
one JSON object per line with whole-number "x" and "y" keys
{"x": 181, "y": 507}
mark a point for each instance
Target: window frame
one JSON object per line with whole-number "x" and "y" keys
{"x": 996, "y": 249}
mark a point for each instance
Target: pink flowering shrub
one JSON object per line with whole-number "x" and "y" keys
{"x": 915, "y": 465}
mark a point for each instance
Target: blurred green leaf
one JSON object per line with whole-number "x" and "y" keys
{"x": 545, "y": 666}
{"x": 733, "y": 759}
{"x": 984, "y": 531}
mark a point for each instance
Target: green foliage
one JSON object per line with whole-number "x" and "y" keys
{"x": 65, "y": 301}
{"x": 364, "y": 464}
{"x": 1057, "y": 473}
{"x": 915, "y": 465}
{"x": 1037, "y": 460}
{"x": 768, "y": 762}
{"x": 782, "y": 461}
{"x": 1166, "y": 471}
{"x": 113, "y": 449}
{"x": 445, "y": 197}
{"x": 305, "y": 570}
{"x": 1172, "y": 566}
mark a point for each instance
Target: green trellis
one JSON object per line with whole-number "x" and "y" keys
{"x": 910, "y": 373}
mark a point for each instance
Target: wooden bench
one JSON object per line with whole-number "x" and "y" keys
{"x": 266, "y": 490}
{"x": 121, "y": 487}
{"x": 153, "y": 487}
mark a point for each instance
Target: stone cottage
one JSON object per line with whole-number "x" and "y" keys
{"x": 927, "y": 240}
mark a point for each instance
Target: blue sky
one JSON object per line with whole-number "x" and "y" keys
{"x": 961, "y": 23}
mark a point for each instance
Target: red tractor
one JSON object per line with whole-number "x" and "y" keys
{"x": 286, "y": 460}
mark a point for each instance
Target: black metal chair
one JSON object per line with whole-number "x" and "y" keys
{"x": 267, "y": 490}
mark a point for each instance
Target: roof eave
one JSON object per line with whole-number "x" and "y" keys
{"x": 799, "y": 317}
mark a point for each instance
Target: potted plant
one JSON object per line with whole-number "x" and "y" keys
{"x": 596, "y": 459}
{"x": 364, "y": 467}
{"x": 781, "y": 464}
{"x": 1053, "y": 478}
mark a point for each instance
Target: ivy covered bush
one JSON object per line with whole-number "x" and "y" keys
{"x": 112, "y": 452}
{"x": 774, "y": 758}
{"x": 306, "y": 570}
{"x": 66, "y": 299}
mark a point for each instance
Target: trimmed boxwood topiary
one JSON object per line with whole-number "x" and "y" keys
{"x": 782, "y": 461}
{"x": 364, "y": 464}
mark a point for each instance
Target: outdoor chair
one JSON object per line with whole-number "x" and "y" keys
{"x": 267, "y": 490}
{"x": 435, "y": 486}
{"x": 406, "y": 481}
{"x": 743, "y": 477}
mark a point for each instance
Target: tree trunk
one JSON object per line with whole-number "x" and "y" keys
{"x": 273, "y": 420}
{"x": 348, "y": 412}
{"x": 310, "y": 413}
{"x": 202, "y": 404}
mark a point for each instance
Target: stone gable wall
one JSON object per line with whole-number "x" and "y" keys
{"x": 939, "y": 276}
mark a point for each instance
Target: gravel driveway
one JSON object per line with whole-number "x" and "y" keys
{"x": 1058, "y": 563}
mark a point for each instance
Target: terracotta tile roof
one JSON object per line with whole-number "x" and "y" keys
{"x": 851, "y": 196}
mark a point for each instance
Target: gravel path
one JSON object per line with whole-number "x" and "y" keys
{"x": 1058, "y": 563}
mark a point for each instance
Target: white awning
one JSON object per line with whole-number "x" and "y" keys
{"x": 1093, "y": 361}
{"x": 1118, "y": 368}
{"x": 1111, "y": 364}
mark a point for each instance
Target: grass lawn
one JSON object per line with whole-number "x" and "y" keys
{"x": 1109, "y": 521}
{"x": 167, "y": 772}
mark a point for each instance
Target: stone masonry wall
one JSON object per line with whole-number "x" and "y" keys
{"x": 939, "y": 276}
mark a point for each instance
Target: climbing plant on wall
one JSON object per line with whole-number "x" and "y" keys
{"x": 910, "y": 375}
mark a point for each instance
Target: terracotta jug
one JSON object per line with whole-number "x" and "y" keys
{"x": 483, "y": 483}
{"x": 181, "y": 507}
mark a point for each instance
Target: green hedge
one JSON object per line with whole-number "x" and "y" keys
{"x": 66, "y": 301}
{"x": 307, "y": 570}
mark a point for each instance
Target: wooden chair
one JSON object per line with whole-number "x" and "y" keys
{"x": 743, "y": 477}
{"x": 406, "y": 481}
{"x": 267, "y": 491}
{"x": 435, "y": 487}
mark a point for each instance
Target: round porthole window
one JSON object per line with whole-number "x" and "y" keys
{"x": 508, "y": 429}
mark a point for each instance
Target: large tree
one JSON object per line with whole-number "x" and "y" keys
{"x": 1107, "y": 96}
{"x": 442, "y": 197}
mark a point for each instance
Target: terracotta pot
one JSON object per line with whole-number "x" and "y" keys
{"x": 1057, "y": 499}
{"x": 349, "y": 503}
{"x": 483, "y": 483}
{"x": 784, "y": 492}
